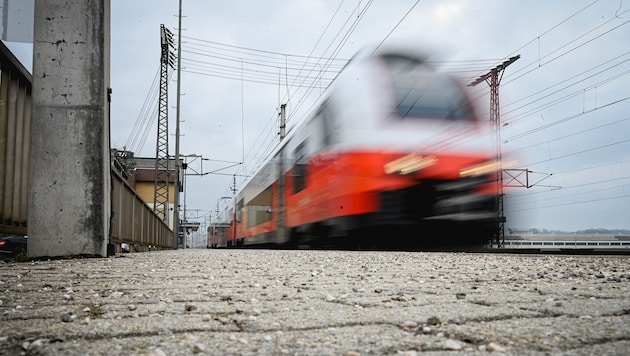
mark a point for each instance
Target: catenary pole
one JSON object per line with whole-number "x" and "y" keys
{"x": 493, "y": 78}
{"x": 177, "y": 163}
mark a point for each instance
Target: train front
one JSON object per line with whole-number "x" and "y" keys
{"x": 412, "y": 155}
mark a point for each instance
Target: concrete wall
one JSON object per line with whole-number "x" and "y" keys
{"x": 69, "y": 190}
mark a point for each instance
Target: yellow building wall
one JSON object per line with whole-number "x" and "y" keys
{"x": 146, "y": 191}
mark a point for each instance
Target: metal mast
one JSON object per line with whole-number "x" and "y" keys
{"x": 178, "y": 174}
{"x": 493, "y": 78}
{"x": 160, "y": 197}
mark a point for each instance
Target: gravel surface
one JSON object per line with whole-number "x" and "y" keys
{"x": 272, "y": 302}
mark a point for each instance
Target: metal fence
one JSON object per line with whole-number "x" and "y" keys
{"x": 15, "y": 124}
{"x": 134, "y": 223}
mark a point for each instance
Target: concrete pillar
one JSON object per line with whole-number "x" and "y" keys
{"x": 69, "y": 169}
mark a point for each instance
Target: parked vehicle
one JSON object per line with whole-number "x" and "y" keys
{"x": 13, "y": 247}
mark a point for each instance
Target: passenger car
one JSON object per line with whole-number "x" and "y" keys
{"x": 394, "y": 153}
{"x": 13, "y": 247}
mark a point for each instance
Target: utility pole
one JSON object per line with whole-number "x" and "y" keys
{"x": 493, "y": 78}
{"x": 280, "y": 214}
{"x": 280, "y": 217}
{"x": 162, "y": 166}
{"x": 177, "y": 163}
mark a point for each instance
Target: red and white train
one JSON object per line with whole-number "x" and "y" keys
{"x": 395, "y": 154}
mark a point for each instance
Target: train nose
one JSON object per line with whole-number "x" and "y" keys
{"x": 465, "y": 207}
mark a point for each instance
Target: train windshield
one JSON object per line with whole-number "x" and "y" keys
{"x": 422, "y": 92}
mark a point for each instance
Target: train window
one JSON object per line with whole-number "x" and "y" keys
{"x": 299, "y": 168}
{"x": 239, "y": 211}
{"x": 259, "y": 208}
{"x": 422, "y": 92}
{"x": 325, "y": 124}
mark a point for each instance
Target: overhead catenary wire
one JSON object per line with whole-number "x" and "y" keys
{"x": 284, "y": 72}
{"x": 147, "y": 117}
{"x": 469, "y": 70}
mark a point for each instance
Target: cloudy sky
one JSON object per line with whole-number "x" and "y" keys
{"x": 565, "y": 104}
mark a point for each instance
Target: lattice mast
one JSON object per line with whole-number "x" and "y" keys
{"x": 493, "y": 78}
{"x": 162, "y": 174}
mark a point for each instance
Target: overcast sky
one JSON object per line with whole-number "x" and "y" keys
{"x": 565, "y": 104}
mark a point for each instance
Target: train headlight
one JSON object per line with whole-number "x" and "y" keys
{"x": 409, "y": 163}
{"x": 485, "y": 168}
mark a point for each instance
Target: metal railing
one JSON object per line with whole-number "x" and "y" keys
{"x": 134, "y": 223}
{"x": 576, "y": 244}
{"x": 15, "y": 128}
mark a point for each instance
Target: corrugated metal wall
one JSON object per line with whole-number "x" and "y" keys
{"x": 15, "y": 121}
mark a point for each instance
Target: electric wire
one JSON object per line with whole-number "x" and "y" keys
{"x": 311, "y": 70}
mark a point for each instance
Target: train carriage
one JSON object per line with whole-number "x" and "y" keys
{"x": 395, "y": 153}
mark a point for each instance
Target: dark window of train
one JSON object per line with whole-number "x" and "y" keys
{"x": 299, "y": 168}
{"x": 239, "y": 211}
{"x": 422, "y": 92}
{"x": 325, "y": 119}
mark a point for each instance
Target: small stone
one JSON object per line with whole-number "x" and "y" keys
{"x": 68, "y": 318}
{"x": 37, "y": 343}
{"x": 493, "y": 347}
{"x": 198, "y": 348}
{"x": 157, "y": 352}
{"x": 451, "y": 344}
{"x": 409, "y": 324}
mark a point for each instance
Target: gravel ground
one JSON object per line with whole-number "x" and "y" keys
{"x": 271, "y": 302}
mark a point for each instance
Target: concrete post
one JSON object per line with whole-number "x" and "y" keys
{"x": 69, "y": 171}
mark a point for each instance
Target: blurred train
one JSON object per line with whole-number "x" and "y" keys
{"x": 395, "y": 154}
